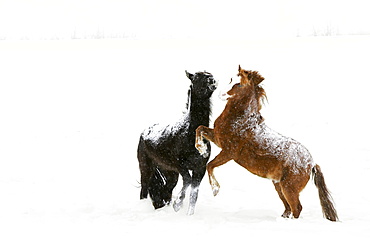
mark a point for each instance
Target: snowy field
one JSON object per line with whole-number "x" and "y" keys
{"x": 72, "y": 112}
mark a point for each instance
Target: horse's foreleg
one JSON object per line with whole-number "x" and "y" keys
{"x": 219, "y": 160}
{"x": 193, "y": 199}
{"x": 203, "y": 132}
{"x": 180, "y": 198}
{"x": 195, "y": 183}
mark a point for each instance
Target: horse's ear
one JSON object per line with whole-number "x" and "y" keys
{"x": 244, "y": 76}
{"x": 240, "y": 70}
{"x": 189, "y": 75}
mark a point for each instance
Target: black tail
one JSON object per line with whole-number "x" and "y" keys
{"x": 326, "y": 199}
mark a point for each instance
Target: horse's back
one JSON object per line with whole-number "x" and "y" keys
{"x": 293, "y": 154}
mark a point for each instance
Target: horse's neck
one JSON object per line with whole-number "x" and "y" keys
{"x": 238, "y": 108}
{"x": 199, "y": 111}
{"x": 241, "y": 113}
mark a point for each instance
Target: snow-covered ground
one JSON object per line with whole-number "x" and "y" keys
{"x": 72, "y": 112}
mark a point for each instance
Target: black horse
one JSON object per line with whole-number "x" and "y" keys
{"x": 164, "y": 152}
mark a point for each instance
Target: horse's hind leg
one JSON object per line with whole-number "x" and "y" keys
{"x": 287, "y": 211}
{"x": 293, "y": 200}
{"x": 171, "y": 180}
{"x": 161, "y": 186}
{"x": 144, "y": 181}
{"x": 156, "y": 188}
{"x": 291, "y": 194}
{"x": 146, "y": 177}
{"x": 291, "y": 186}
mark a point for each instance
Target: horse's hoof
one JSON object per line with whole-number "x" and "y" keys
{"x": 177, "y": 206}
{"x": 191, "y": 211}
{"x": 202, "y": 149}
{"x": 286, "y": 214}
{"x": 215, "y": 190}
{"x": 158, "y": 205}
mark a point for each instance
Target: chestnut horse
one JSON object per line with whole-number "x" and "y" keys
{"x": 243, "y": 136}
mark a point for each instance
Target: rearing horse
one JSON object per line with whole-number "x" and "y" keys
{"x": 243, "y": 136}
{"x": 166, "y": 151}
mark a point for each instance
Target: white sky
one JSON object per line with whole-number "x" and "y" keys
{"x": 180, "y": 18}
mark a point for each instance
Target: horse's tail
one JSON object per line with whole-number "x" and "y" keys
{"x": 326, "y": 199}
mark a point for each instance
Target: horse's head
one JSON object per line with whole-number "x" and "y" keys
{"x": 248, "y": 88}
{"x": 249, "y": 77}
{"x": 202, "y": 84}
